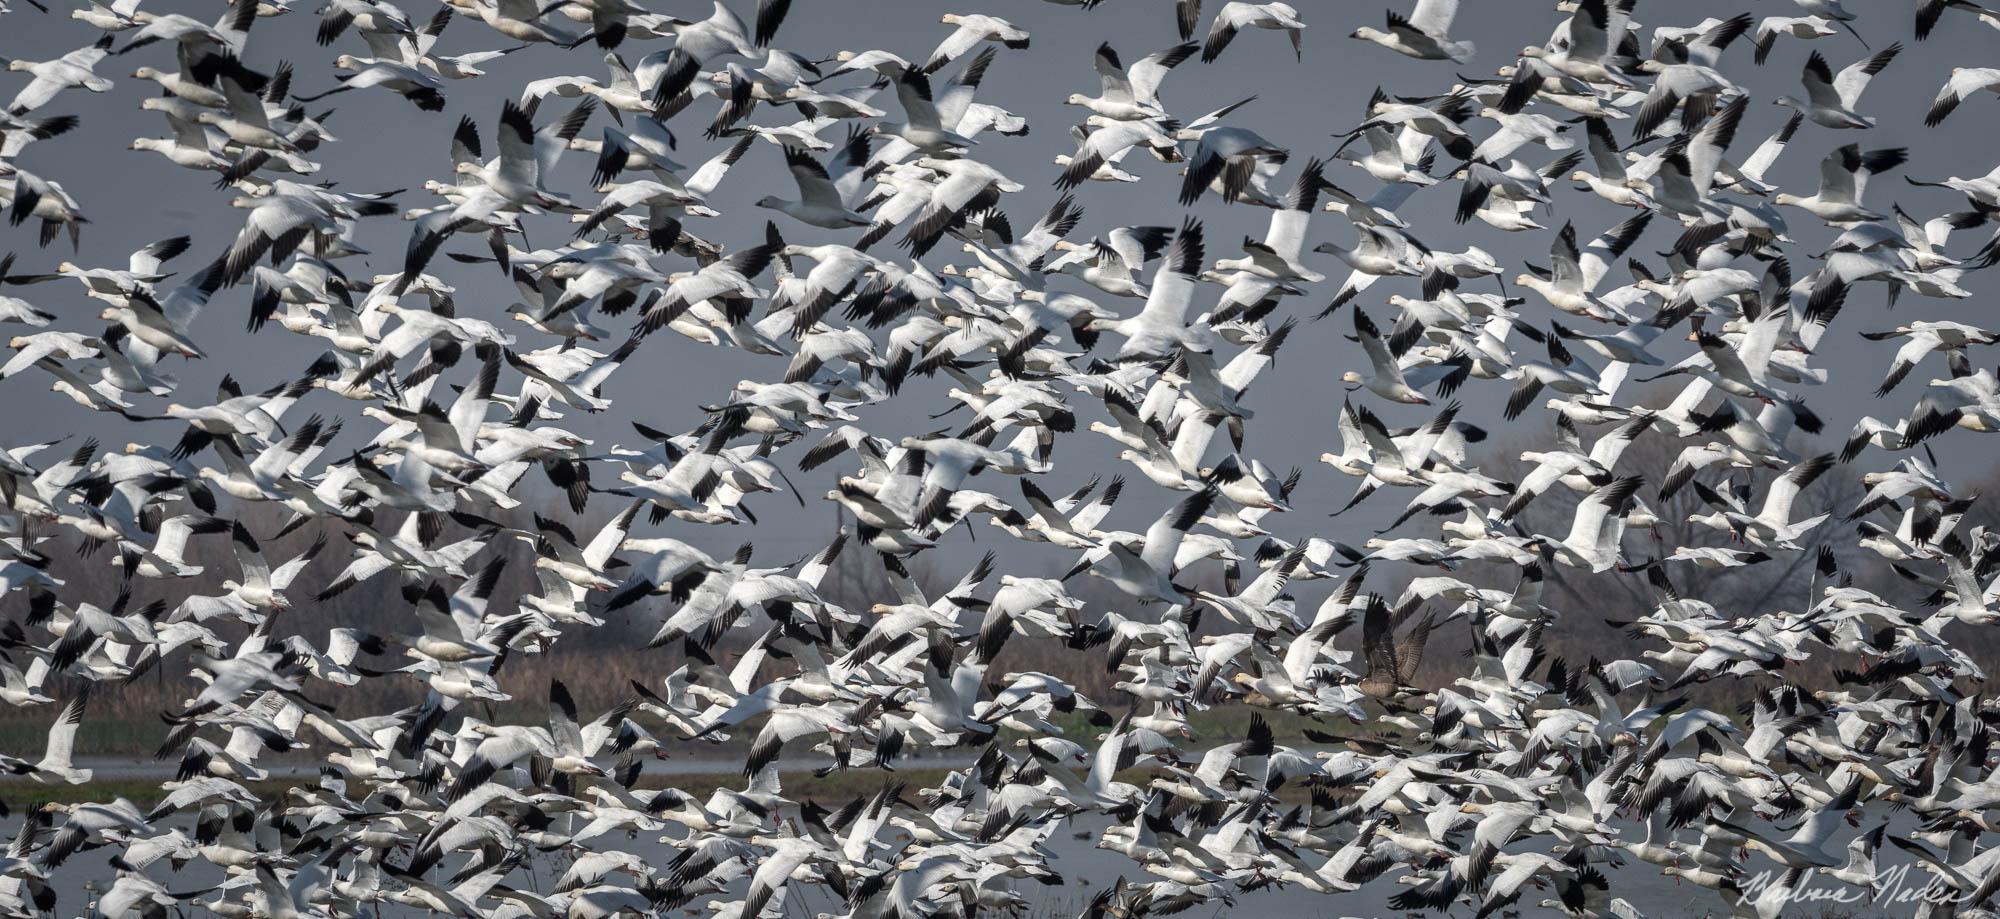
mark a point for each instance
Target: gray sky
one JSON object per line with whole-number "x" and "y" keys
{"x": 133, "y": 198}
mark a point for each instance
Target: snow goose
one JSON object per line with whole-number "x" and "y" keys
{"x": 29, "y": 195}
{"x": 723, "y": 33}
{"x": 729, "y": 278}
{"x": 142, "y": 271}
{"x": 1930, "y": 11}
{"x": 968, "y": 187}
{"x": 420, "y": 87}
{"x": 1843, "y": 178}
{"x": 1533, "y": 79}
{"x": 1611, "y": 181}
{"x": 183, "y": 87}
{"x": 384, "y": 27}
{"x": 275, "y": 220}
{"x": 74, "y": 69}
{"x": 1440, "y": 122}
{"x": 1801, "y": 27}
{"x": 1145, "y": 571}
{"x": 247, "y": 121}
{"x": 1555, "y": 374}
{"x": 1108, "y": 141}
{"x": 973, "y": 28}
{"x": 102, "y": 824}
{"x": 950, "y": 461}
{"x": 1696, "y": 78}
{"x": 1385, "y": 376}
{"x": 56, "y": 763}
{"x": 612, "y": 272}
{"x": 1574, "y": 274}
{"x": 1131, "y": 94}
{"x": 1972, "y": 878}
{"x": 822, "y": 203}
{"x": 166, "y": 557}
{"x": 1718, "y": 557}
{"x": 1830, "y": 100}
{"x": 1772, "y": 526}
{"x": 1518, "y": 130}
{"x": 1109, "y": 170}
{"x": 117, "y": 16}
{"x": 1398, "y": 155}
{"x": 1629, "y": 346}
{"x": 193, "y": 146}
{"x": 646, "y": 143}
{"x": 1927, "y": 239}
{"x": 1424, "y": 35}
{"x": 1108, "y": 262}
{"x": 624, "y": 92}
{"x": 526, "y": 156}
{"x": 1277, "y": 256}
{"x": 1238, "y": 15}
{"x": 1505, "y": 199}
{"x": 1445, "y": 490}
{"x": 1582, "y": 45}
{"x": 901, "y": 191}
{"x": 1598, "y": 528}
{"x": 1378, "y": 252}
{"x": 23, "y": 689}
{"x": 1806, "y": 848}
{"x": 1578, "y": 471}
{"x": 17, "y": 133}
{"x": 1161, "y": 327}
{"x": 1834, "y": 11}
{"x": 1381, "y": 457}
{"x": 837, "y": 271}
{"x": 1925, "y": 336}
{"x": 1020, "y": 258}
{"x": 1098, "y": 790}
{"x": 520, "y": 20}
{"x": 1065, "y": 522}
{"x": 1255, "y": 606}
{"x": 493, "y": 193}
{"x": 1227, "y": 157}
{"x": 196, "y": 42}
{"x": 1963, "y": 83}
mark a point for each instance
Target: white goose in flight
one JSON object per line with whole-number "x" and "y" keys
{"x": 1831, "y": 100}
{"x": 1425, "y": 34}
